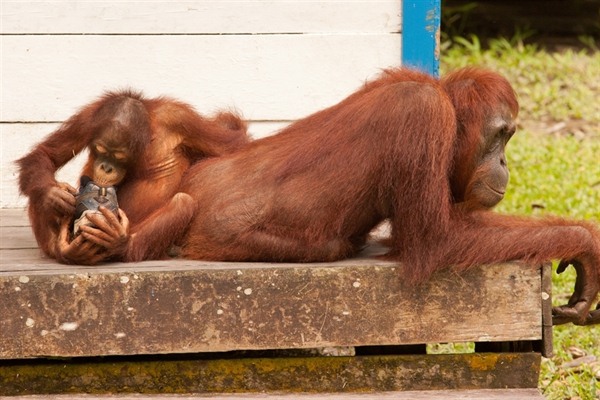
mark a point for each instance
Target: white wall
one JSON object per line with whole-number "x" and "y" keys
{"x": 274, "y": 61}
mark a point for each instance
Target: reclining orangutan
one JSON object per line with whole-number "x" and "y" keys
{"x": 428, "y": 155}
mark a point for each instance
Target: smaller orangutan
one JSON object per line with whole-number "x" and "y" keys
{"x": 142, "y": 147}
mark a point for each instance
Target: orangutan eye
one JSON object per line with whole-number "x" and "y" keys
{"x": 120, "y": 156}
{"x": 100, "y": 149}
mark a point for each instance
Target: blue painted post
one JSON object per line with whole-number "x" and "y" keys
{"x": 421, "y": 35}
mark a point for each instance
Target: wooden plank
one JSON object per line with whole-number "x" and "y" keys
{"x": 547, "y": 347}
{"x": 287, "y": 375}
{"x": 268, "y": 77}
{"x": 16, "y": 140}
{"x": 13, "y": 217}
{"x": 200, "y": 17}
{"x": 477, "y": 394}
{"x": 16, "y": 237}
{"x": 23, "y": 260}
{"x": 187, "y": 306}
{"x": 190, "y": 307}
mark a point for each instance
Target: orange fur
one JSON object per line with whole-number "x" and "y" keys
{"x": 164, "y": 137}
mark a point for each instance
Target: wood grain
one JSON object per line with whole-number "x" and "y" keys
{"x": 207, "y": 307}
{"x": 211, "y": 309}
{"x": 181, "y": 306}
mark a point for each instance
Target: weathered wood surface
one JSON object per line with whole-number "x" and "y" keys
{"x": 481, "y": 394}
{"x": 182, "y": 306}
{"x": 174, "y": 307}
{"x": 547, "y": 345}
{"x": 291, "y": 375}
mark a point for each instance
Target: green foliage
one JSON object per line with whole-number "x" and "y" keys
{"x": 455, "y": 20}
{"x": 555, "y": 168}
{"x": 589, "y": 41}
{"x": 552, "y": 86}
{"x": 553, "y": 175}
{"x": 559, "y": 176}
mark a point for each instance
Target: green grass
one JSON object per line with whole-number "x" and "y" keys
{"x": 553, "y": 175}
{"x": 555, "y": 168}
{"x": 552, "y": 86}
{"x": 559, "y": 176}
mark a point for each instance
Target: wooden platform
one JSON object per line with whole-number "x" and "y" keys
{"x": 203, "y": 327}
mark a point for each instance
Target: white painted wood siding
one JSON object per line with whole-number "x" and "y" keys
{"x": 274, "y": 61}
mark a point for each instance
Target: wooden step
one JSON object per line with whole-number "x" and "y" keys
{"x": 241, "y": 373}
{"x": 184, "y": 326}
{"x": 183, "y": 306}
